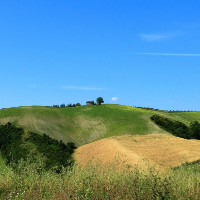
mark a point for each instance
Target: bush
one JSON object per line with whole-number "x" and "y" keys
{"x": 62, "y": 105}
{"x": 14, "y": 148}
{"x": 178, "y": 128}
{"x": 195, "y": 129}
{"x": 56, "y": 106}
{"x": 11, "y": 143}
{"x": 57, "y": 154}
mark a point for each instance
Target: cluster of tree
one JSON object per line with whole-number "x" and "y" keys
{"x": 99, "y": 101}
{"x": 11, "y": 143}
{"x": 177, "y": 128}
{"x": 147, "y": 108}
{"x": 171, "y": 111}
{"x": 68, "y": 105}
{"x": 57, "y": 153}
{"x": 15, "y": 145}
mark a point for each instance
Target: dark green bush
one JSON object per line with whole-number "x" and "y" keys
{"x": 57, "y": 154}
{"x": 11, "y": 143}
{"x": 177, "y": 128}
{"x": 195, "y": 129}
{"x": 14, "y": 148}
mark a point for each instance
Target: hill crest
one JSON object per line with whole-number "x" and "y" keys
{"x": 85, "y": 124}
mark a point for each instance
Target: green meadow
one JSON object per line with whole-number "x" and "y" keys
{"x": 83, "y": 125}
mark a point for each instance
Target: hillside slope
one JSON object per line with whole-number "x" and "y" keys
{"x": 86, "y": 124}
{"x": 158, "y": 150}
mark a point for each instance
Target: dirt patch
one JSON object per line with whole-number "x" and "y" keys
{"x": 160, "y": 150}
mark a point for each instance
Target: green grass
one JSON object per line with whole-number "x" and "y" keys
{"x": 85, "y": 124}
{"x": 5, "y": 173}
{"x": 2, "y": 167}
{"x": 185, "y": 117}
{"x": 101, "y": 182}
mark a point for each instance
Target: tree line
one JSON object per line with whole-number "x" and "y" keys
{"x": 99, "y": 101}
{"x": 16, "y": 145}
{"x": 178, "y": 128}
{"x": 170, "y": 111}
{"x": 68, "y": 105}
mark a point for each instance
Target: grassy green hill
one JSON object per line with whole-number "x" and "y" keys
{"x": 85, "y": 124}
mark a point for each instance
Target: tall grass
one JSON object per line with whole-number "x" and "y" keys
{"x": 100, "y": 182}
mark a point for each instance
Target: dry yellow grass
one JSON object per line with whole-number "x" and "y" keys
{"x": 95, "y": 127}
{"x": 161, "y": 150}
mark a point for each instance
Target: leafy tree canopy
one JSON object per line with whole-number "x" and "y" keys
{"x": 99, "y": 100}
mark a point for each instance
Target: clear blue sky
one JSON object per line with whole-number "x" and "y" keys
{"x": 141, "y": 52}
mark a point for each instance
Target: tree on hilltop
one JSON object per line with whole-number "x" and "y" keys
{"x": 62, "y": 105}
{"x": 99, "y": 100}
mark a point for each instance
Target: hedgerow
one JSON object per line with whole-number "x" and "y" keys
{"x": 177, "y": 128}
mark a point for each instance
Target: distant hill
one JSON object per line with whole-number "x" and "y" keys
{"x": 85, "y": 124}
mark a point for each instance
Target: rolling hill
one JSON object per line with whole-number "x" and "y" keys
{"x": 85, "y": 124}
{"x": 112, "y": 134}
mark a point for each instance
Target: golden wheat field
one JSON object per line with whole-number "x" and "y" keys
{"x": 160, "y": 150}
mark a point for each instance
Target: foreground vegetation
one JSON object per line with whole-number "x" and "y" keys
{"x": 35, "y": 166}
{"x": 99, "y": 182}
